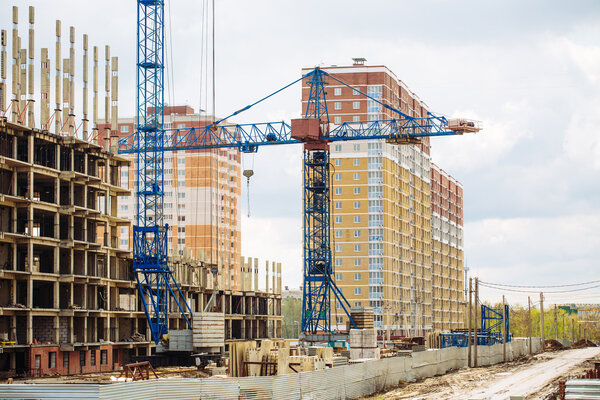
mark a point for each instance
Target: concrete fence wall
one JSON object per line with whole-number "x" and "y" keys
{"x": 345, "y": 382}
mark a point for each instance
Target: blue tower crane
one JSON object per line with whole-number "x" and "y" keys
{"x": 150, "y": 256}
{"x": 314, "y": 131}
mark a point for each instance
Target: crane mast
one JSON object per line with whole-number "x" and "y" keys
{"x": 150, "y": 240}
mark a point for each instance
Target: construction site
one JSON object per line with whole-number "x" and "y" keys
{"x": 121, "y": 265}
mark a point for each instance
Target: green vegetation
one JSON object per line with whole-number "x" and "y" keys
{"x": 291, "y": 310}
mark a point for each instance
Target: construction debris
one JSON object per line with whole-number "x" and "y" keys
{"x": 582, "y": 343}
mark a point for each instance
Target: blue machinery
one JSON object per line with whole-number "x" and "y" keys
{"x": 151, "y": 140}
{"x": 490, "y": 331}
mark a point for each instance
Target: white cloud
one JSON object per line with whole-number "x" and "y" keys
{"x": 533, "y": 251}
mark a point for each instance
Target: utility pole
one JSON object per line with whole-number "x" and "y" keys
{"x": 542, "y": 332}
{"x": 504, "y": 333}
{"x": 564, "y": 334}
{"x": 573, "y": 330}
{"x": 579, "y": 336}
{"x": 556, "y": 322}
{"x": 476, "y": 318}
{"x": 470, "y": 322}
{"x": 529, "y": 330}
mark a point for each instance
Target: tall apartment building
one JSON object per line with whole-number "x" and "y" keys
{"x": 382, "y": 212}
{"x": 202, "y": 198}
{"x": 447, "y": 250}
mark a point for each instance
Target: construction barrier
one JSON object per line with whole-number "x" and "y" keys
{"x": 344, "y": 382}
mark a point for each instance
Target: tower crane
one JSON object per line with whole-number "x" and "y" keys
{"x": 314, "y": 130}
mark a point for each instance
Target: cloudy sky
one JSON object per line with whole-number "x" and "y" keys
{"x": 530, "y": 70}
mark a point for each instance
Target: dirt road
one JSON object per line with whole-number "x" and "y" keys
{"x": 527, "y": 376}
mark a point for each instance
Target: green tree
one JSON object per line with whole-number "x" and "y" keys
{"x": 291, "y": 310}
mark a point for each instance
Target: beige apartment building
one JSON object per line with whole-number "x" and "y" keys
{"x": 202, "y": 198}
{"x": 396, "y": 219}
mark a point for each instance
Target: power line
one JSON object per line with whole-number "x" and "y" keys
{"x": 539, "y": 286}
{"x": 530, "y": 291}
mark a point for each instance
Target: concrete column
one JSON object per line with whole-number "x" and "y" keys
{"x": 13, "y": 329}
{"x": 243, "y": 268}
{"x": 71, "y": 334}
{"x": 273, "y": 265}
{"x": 255, "y": 272}
{"x": 56, "y": 292}
{"x": 267, "y": 276}
{"x": 279, "y": 278}
{"x": 29, "y": 328}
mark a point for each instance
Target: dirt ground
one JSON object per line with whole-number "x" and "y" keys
{"x": 466, "y": 380}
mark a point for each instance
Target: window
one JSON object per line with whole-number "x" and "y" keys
{"x": 65, "y": 357}
{"x": 338, "y": 205}
{"x": 124, "y": 208}
{"x": 93, "y": 357}
{"x": 356, "y": 147}
{"x": 357, "y": 291}
{"x": 82, "y": 358}
{"x": 338, "y": 219}
{"x": 181, "y": 172}
{"x": 124, "y": 128}
{"x": 356, "y": 176}
{"x": 356, "y": 162}
{"x": 357, "y": 233}
{"x": 338, "y": 248}
{"x": 337, "y": 120}
{"x": 181, "y": 229}
{"x": 356, "y": 105}
{"x": 356, "y": 190}
{"x": 338, "y": 234}
{"x": 356, "y": 118}
{"x": 338, "y": 147}
{"x": 357, "y": 276}
{"x": 180, "y": 126}
{"x": 357, "y": 248}
{"x": 181, "y": 241}
{"x": 123, "y": 242}
{"x": 103, "y": 357}
{"x": 181, "y": 161}
{"x": 181, "y": 184}
{"x": 181, "y": 218}
{"x": 338, "y": 262}
{"x": 338, "y": 162}
{"x": 357, "y": 219}
{"x": 357, "y": 262}
{"x": 338, "y": 191}
{"x": 357, "y": 304}
{"x": 337, "y": 105}
{"x": 338, "y": 176}
{"x": 338, "y": 276}
{"x": 355, "y": 92}
{"x": 339, "y": 320}
{"x": 181, "y": 206}
{"x": 52, "y": 359}
{"x": 357, "y": 204}
{"x": 181, "y": 195}
{"x": 337, "y": 91}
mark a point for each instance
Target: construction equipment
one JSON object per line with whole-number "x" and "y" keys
{"x": 489, "y": 333}
{"x": 314, "y": 130}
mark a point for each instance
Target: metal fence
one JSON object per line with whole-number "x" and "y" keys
{"x": 344, "y": 382}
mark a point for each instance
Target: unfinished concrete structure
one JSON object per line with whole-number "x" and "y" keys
{"x": 68, "y": 298}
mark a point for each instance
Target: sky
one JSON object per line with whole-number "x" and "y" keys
{"x": 529, "y": 70}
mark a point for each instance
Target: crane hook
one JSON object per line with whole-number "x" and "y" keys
{"x": 248, "y": 173}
